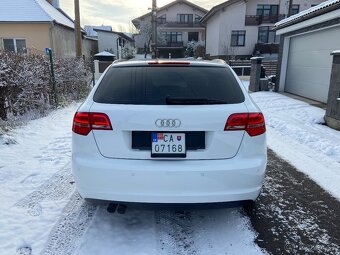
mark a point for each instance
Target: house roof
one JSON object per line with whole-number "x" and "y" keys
{"x": 105, "y": 54}
{"x": 136, "y": 20}
{"x": 312, "y": 12}
{"x": 123, "y": 35}
{"x": 217, "y": 8}
{"x": 31, "y": 11}
{"x": 90, "y": 29}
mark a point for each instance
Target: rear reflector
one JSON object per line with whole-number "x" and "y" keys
{"x": 253, "y": 123}
{"x": 84, "y": 122}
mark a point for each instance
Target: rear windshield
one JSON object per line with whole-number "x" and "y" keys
{"x": 159, "y": 85}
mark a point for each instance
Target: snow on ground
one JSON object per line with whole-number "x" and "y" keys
{"x": 41, "y": 213}
{"x": 30, "y": 155}
{"x": 296, "y": 133}
{"x": 213, "y": 232}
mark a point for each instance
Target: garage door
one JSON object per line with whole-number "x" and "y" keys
{"x": 310, "y": 63}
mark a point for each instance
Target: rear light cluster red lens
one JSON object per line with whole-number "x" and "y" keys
{"x": 84, "y": 122}
{"x": 253, "y": 123}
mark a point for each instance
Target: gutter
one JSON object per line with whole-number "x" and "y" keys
{"x": 308, "y": 16}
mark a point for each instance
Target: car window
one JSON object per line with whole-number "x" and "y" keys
{"x": 152, "y": 85}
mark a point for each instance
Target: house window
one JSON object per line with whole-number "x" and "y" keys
{"x": 238, "y": 38}
{"x": 161, "y": 19}
{"x": 173, "y": 36}
{"x": 193, "y": 36}
{"x": 185, "y": 18}
{"x": 267, "y": 35}
{"x": 15, "y": 45}
{"x": 267, "y": 10}
{"x": 295, "y": 9}
{"x": 197, "y": 18}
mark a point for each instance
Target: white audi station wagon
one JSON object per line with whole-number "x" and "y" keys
{"x": 163, "y": 131}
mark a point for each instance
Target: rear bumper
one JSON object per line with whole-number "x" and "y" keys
{"x": 169, "y": 181}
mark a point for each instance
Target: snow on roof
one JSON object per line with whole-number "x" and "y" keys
{"x": 32, "y": 11}
{"x": 90, "y": 29}
{"x": 105, "y": 54}
{"x": 307, "y": 12}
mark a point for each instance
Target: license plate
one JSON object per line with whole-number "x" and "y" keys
{"x": 168, "y": 145}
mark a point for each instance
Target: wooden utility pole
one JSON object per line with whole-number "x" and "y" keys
{"x": 290, "y": 8}
{"x": 77, "y": 29}
{"x": 154, "y": 26}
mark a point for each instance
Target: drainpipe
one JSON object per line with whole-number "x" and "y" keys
{"x": 290, "y": 7}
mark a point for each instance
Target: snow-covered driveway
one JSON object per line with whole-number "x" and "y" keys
{"x": 296, "y": 133}
{"x": 41, "y": 212}
{"x": 34, "y": 180}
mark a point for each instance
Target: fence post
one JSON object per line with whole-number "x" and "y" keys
{"x": 96, "y": 69}
{"x": 255, "y": 74}
{"x": 52, "y": 75}
{"x": 93, "y": 73}
{"x": 333, "y": 103}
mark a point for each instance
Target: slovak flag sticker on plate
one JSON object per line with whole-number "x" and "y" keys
{"x": 157, "y": 136}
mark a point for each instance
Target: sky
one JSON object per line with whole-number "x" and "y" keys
{"x": 119, "y": 13}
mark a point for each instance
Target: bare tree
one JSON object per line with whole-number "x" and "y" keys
{"x": 120, "y": 28}
{"x": 145, "y": 34}
{"x": 229, "y": 51}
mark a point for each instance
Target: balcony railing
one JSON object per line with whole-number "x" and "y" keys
{"x": 255, "y": 20}
{"x": 179, "y": 24}
{"x": 170, "y": 44}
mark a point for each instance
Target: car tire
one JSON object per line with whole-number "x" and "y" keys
{"x": 249, "y": 206}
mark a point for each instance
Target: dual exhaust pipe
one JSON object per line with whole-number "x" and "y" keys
{"x": 114, "y": 207}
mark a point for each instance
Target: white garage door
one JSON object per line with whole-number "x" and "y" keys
{"x": 309, "y": 63}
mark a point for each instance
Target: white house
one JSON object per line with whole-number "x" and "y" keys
{"x": 307, "y": 40}
{"x": 242, "y": 28}
{"x": 115, "y": 42}
{"x": 178, "y": 23}
{"x": 93, "y": 34}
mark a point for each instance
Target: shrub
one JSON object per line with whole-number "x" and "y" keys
{"x": 25, "y": 82}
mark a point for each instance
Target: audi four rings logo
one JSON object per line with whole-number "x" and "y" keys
{"x": 168, "y": 123}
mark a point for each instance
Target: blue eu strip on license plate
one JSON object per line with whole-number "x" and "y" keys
{"x": 168, "y": 145}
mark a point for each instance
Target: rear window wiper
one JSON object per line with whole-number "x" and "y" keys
{"x": 192, "y": 101}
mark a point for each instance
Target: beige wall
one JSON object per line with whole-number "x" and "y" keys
{"x": 36, "y": 35}
{"x": 38, "y": 38}
{"x": 63, "y": 42}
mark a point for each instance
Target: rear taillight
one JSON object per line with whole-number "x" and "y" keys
{"x": 84, "y": 122}
{"x": 256, "y": 124}
{"x": 253, "y": 123}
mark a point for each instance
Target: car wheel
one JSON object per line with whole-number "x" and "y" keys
{"x": 249, "y": 206}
